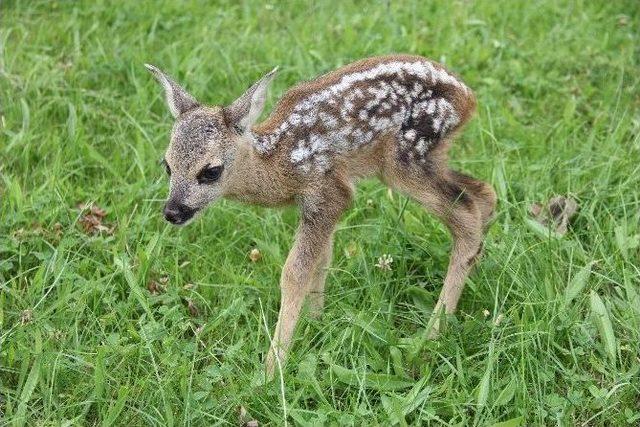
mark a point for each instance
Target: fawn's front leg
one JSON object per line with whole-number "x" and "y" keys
{"x": 315, "y": 298}
{"x": 305, "y": 264}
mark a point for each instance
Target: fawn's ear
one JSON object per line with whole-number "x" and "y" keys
{"x": 178, "y": 99}
{"x": 244, "y": 111}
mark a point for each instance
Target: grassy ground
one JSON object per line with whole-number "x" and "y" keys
{"x": 548, "y": 330}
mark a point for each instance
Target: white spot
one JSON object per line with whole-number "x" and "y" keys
{"x": 328, "y": 120}
{"x": 372, "y": 103}
{"x": 309, "y": 119}
{"x": 348, "y": 105}
{"x": 436, "y": 124}
{"x": 305, "y": 167}
{"x": 317, "y": 143}
{"x": 377, "y": 92}
{"x": 410, "y": 134}
{"x": 381, "y": 123}
{"x": 300, "y": 154}
{"x": 431, "y": 106}
{"x": 295, "y": 119}
{"x": 415, "y": 91}
{"x": 421, "y": 146}
{"x": 358, "y": 136}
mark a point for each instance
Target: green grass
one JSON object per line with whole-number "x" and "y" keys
{"x": 84, "y": 342}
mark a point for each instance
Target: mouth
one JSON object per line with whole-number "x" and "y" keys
{"x": 179, "y": 222}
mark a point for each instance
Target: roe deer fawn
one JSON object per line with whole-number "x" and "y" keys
{"x": 391, "y": 117}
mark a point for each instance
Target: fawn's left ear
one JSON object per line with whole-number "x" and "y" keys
{"x": 244, "y": 111}
{"x": 178, "y": 99}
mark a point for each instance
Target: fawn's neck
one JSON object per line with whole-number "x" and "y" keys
{"x": 259, "y": 180}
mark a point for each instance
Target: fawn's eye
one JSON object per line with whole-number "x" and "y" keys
{"x": 209, "y": 174}
{"x": 166, "y": 167}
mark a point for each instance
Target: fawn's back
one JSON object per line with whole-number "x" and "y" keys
{"x": 414, "y": 101}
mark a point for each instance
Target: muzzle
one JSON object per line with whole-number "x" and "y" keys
{"x": 178, "y": 213}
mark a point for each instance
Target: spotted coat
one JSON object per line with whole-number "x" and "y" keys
{"x": 410, "y": 97}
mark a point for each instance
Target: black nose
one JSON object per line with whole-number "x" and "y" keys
{"x": 177, "y": 213}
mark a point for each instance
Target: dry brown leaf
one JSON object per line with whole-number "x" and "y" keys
{"x": 57, "y": 334}
{"x": 193, "y": 308}
{"x": 152, "y": 287}
{"x": 92, "y": 209}
{"x": 156, "y": 287}
{"x": 98, "y": 211}
{"x": 92, "y": 220}
{"x": 556, "y": 213}
{"x": 623, "y": 20}
{"x": 243, "y": 414}
{"x": 244, "y": 418}
{"x": 20, "y": 233}
{"x": 26, "y": 316}
{"x": 37, "y": 229}
{"x": 255, "y": 255}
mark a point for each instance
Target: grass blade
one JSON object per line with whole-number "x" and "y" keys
{"x": 603, "y": 323}
{"x": 114, "y": 411}
{"x": 27, "y": 391}
{"x": 380, "y": 382}
{"x": 513, "y": 422}
{"x": 483, "y": 388}
{"x": 577, "y": 283}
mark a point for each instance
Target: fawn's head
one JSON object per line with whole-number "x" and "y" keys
{"x": 203, "y": 145}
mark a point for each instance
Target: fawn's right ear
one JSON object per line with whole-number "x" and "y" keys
{"x": 178, "y": 99}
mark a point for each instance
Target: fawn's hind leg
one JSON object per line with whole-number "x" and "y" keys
{"x": 464, "y": 205}
{"x": 482, "y": 193}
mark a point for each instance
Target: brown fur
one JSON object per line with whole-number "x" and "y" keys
{"x": 302, "y": 90}
{"x": 270, "y": 178}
